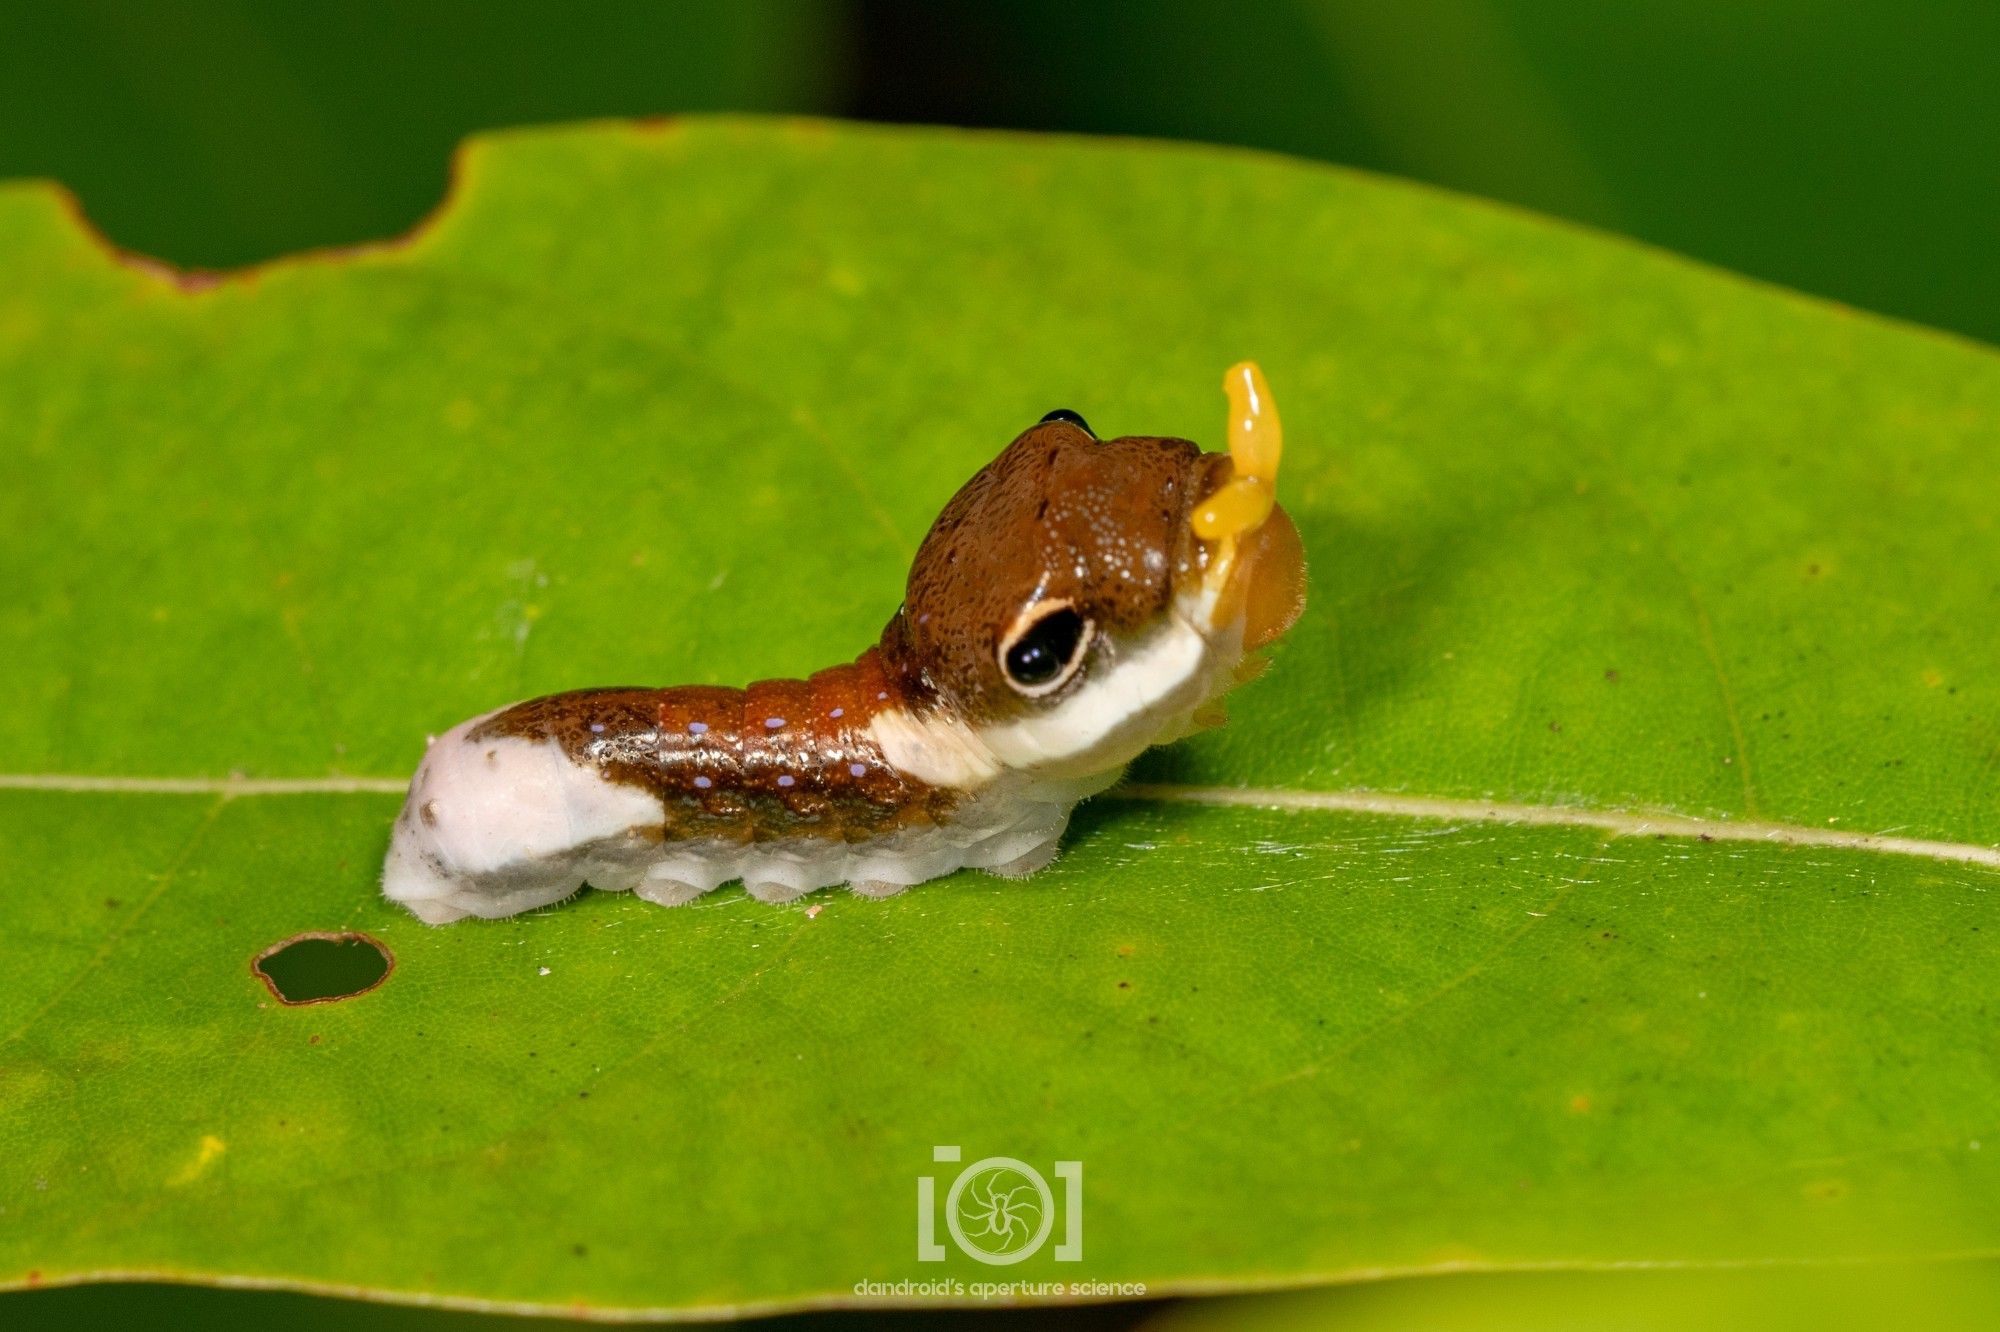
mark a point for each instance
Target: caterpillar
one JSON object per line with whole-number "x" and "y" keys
{"x": 1078, "y": 601}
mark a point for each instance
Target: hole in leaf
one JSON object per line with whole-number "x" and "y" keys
{"x": 321, "y": 967}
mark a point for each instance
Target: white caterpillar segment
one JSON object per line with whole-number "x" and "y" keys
{"x": 486, "y": 820}
{"x": 1149, "y": 693}
{"x": 937, "y": 749}
{"x": 876, "y": 888}
{"x": 1032, "y": 861}
{"x": 659, "y": 886}
{"x": 492, "y": 828}
{"x": 774, "y": 891}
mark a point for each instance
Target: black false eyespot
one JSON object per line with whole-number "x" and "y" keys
{"x": 1074, "y": 418}
{"x": 1044, "y": 648}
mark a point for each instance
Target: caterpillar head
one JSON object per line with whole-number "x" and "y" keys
{"x": 1081, "y": 599}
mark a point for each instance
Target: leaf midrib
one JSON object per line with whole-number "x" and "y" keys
{"x": 1449, "y": 809}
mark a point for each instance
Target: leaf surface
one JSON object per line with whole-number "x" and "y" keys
{"x": 1593, "y": 531}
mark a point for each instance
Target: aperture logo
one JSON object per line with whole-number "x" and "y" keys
{"x": 1000, "y": 1210}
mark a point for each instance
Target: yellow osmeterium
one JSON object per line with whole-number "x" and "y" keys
{"x": 1239, "y": 506}
{"x": 1256, "y": 443}
{"x": 1256, "y": 438}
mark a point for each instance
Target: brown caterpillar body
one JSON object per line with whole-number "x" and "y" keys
{"x": 778, "y": 759}
{"x": 1077, "y": 601}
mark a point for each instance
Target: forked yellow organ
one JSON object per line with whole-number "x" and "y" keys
{"x": 1256, "y": 443}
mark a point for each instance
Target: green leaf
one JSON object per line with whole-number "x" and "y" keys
{"x": 1595, "y": 534}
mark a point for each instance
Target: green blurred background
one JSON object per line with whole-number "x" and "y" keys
{"x": 1846, "y": 147}
{"x": 1850, "y": 148}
